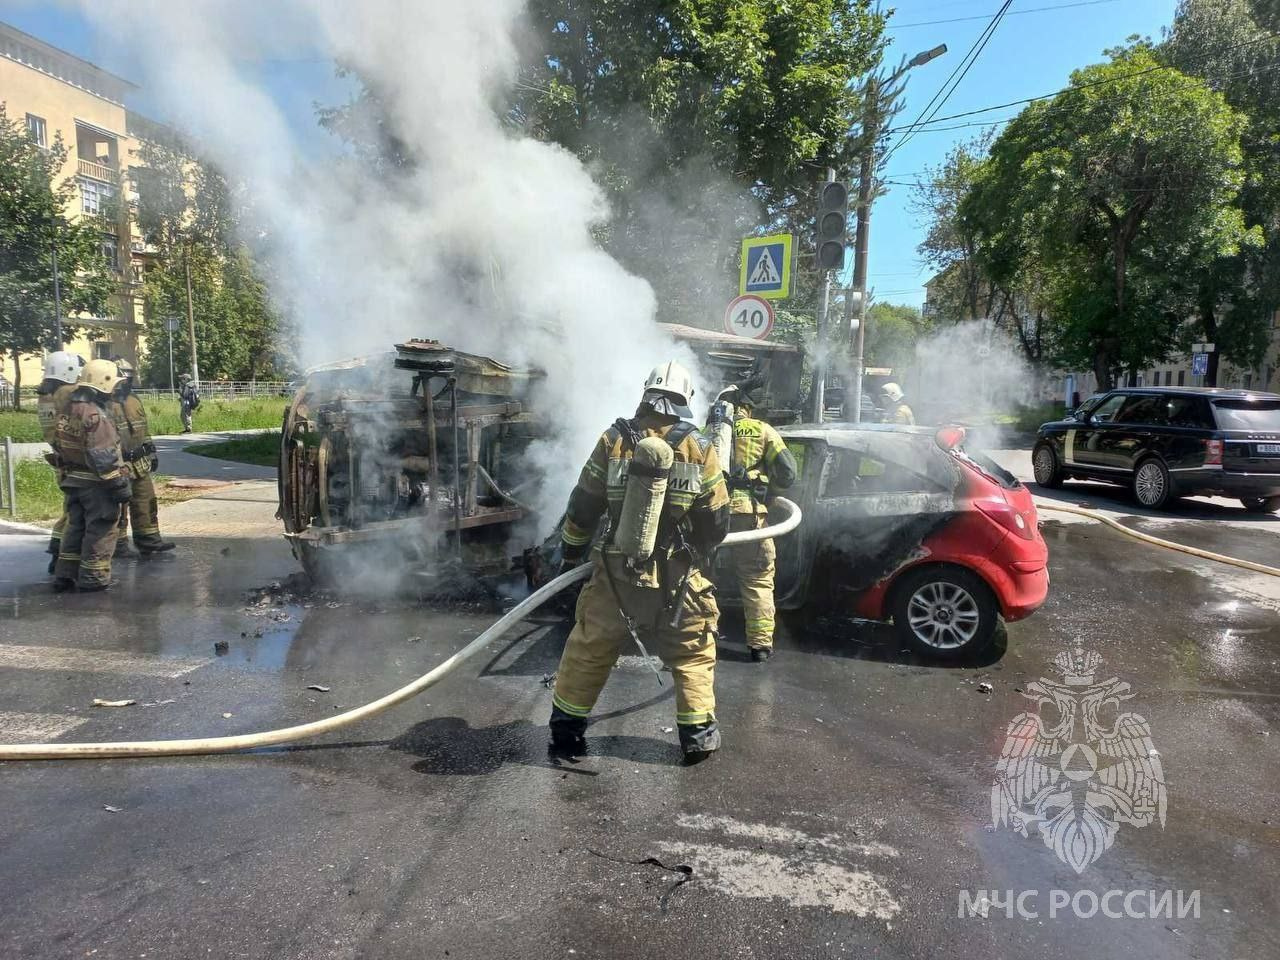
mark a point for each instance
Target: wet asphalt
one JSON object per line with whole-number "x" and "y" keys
{"x": 849, "y": 809}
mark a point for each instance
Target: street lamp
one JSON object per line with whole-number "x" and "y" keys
{"x": 866, "y": 193}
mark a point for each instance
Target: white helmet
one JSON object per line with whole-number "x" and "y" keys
{"x": 102, "y": 375}
{"x": 671, "y": 378}
{"x": 892, "y": 391}
{"x": 63, "y": 365}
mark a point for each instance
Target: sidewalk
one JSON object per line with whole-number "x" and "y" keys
{"x": 175, "y": 463}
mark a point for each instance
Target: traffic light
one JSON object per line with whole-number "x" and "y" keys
{"x": 833, "y": 216}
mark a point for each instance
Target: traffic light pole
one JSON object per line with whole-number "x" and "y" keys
{"x": 820, "y": 368}
{"x": 866, "y": 177}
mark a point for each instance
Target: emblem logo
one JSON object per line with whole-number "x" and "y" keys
{"x": 1067, "y": 775}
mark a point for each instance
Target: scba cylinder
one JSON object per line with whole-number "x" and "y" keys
{"x": 720, "y": 428}
{"x": 642, "y": 503}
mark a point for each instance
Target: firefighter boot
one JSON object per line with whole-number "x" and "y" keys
{"x": 568, "y": 734}
{"x": 699, "y": 740}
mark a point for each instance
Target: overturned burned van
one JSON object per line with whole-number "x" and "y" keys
{"x": 405, "y": 460}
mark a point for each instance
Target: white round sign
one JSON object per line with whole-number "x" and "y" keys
{"x": 749, "y": 316}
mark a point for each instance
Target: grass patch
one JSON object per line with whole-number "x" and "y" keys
{"x": 164, "y": 418}
{"x": 39, "y": 496}
{"x": 262, "y": 449}
{"x": 1028, "y": 419}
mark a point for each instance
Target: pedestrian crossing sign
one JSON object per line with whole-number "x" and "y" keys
{"x": 766, "y": 266}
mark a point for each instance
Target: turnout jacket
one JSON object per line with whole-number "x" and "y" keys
{"x": 697, "y": 500}
{"x": 87, "y": 442}
{"x": 49, "y": 405}
{"x": 761, "y": 461}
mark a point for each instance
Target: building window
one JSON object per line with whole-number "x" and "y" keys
{"x": 1182, "y": 378}
{"x": 94, "y": 197}
{"x": 111, "y": 253}
{"x": 36, "y": 131}
{"x": 104, "y": 350}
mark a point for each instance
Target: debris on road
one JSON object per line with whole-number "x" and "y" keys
{"x": 113, "y": 703}
{"x": 318, "y": 686}
{"x": 415, "y": 639}
{"x": 985, "y": 688}
{"x": 222, "y": 647}
{"x": 110, "y": 809}
{"x": 159, "y": 703}
{"x": 227, "y": 716}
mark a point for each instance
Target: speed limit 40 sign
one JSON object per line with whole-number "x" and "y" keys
{"x": 749, "y": 316}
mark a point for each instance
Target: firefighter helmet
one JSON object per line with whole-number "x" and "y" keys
{"x": 892, "y": 391}
{"x": 127, "y": 370}
{"x": 101, "y": 375}
{"x": 63, "y": 365}
{"x": 671, "y": 378}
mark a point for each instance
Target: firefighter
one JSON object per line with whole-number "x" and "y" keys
{"x": 93, "y": 480}
{"x": 760, "y": 463}
{"x": 188, "y": 400}
{"x": 53, "y": 396}
{"x": 140, "y": 459}
{"x": 662, "y": 598}
{"x": 895, "y": 407}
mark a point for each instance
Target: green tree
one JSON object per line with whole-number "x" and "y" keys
{"x": 1236, "y": 296}
{"x": 892, "y": 333}
{"x": 33, "y": 222}
{"x": 702, "y": 119}
{"x": 1122, "y": 188}
{"x": 189, "y": 213}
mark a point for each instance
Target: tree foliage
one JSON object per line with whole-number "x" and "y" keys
{"x": 1118, "y": 194}
{"x": 190, "y": 213}
{"x": 33, "y": 221}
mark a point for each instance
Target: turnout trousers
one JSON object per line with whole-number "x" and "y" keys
{"x": 89, "y": 538}
{"x": 753, "y": 564}
{"x": 600, "y": 634}
{"x": 141, "y": 510}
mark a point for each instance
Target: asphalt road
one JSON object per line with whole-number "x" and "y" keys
{"x": 849, "y": 809}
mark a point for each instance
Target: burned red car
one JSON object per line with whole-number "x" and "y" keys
{"x": 902, "y": 523}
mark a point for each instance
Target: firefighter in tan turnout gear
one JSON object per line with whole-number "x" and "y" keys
{"x": 662, "y": 487}
{"x": 758, "y": 463}
{"x": 53, "y": 397}
{"x": 140, "y": 462}
{"x": 93, "y": 480}
{"x": 895, "y": 405}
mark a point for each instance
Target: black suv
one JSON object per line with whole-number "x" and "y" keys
{"x": 1165, "y": 443}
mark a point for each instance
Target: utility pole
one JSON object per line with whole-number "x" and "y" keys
{"x": 57, "y": 285}
{"x": 818, "y": 392}
{"x": 191, "y": 316}
{"x": 862, "y": 233}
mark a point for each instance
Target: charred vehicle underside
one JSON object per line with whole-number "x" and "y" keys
{"x": 412, "y": 460}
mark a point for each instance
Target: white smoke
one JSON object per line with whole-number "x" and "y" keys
{"x": 485, "y": 245}
{"x": 966, "y": 373}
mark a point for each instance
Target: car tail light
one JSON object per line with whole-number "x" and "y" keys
{"x": 1213, "y": 453}
{"x": 949, "y": 438}
{"x": 1009, "y": 517}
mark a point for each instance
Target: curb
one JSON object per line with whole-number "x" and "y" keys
{"x": 13, "y": 526}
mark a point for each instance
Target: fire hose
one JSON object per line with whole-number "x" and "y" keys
{"x": 1158, "y": 541}
{"x": 267, "y": 738}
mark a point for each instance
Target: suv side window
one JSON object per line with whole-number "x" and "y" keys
{"x": 1190, "y": 412}
{"x": 1149, "y": 409}
{"x": 1106, "y": 410}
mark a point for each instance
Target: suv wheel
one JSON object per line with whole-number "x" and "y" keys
{"x": 944, "y": 612}
{"x": 1045, "y": 464}
{"x": 1152, "y": 485}
{"x": 1261, "y": 504}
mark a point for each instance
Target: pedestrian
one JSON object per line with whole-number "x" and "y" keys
{"x": 93, "y": 480}
{"x": 661, "y": 599}
{"x": 53, "y": 398}
{"x": 188, "y": 400}
{"x": 760, "y": 464}
{"x": 895, "y": 405}
{"x": 141, "y": 461}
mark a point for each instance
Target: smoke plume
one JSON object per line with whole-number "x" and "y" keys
{"x": 484, "y": 243}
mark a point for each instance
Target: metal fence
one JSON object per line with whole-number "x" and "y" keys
{"x": 209, "y": 390}
{"x": 8, "y": 486}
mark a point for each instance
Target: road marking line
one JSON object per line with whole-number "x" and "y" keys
{"x": 35, "y": 727}
{"x": 79, "y": 660}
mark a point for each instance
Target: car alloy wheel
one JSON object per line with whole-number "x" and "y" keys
{"x": 1045, "y": 466}
{"x": 943, "y": 616}
{"x": 1151, "y": 484}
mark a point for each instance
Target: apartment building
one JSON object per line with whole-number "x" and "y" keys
{"x": 60, "y": 94}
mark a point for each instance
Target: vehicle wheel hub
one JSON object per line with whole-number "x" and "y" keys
{"x": 1150, "y": 483}
{"x": 943, "y": 615}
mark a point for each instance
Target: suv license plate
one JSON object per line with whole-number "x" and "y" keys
{"x": 1269, "y": 448}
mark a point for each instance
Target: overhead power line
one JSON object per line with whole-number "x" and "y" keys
{"x": 1061, "y": 6}
{"x": 944, "y": 93}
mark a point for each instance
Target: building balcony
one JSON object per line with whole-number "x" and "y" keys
{"x": 97, "y": 171}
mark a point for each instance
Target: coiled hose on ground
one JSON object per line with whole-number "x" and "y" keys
{"x": 250, "y": 741}
{"x": 1158, "y": 541}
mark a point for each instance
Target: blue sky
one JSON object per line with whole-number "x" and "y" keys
{"x": 1031, "y": 53}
